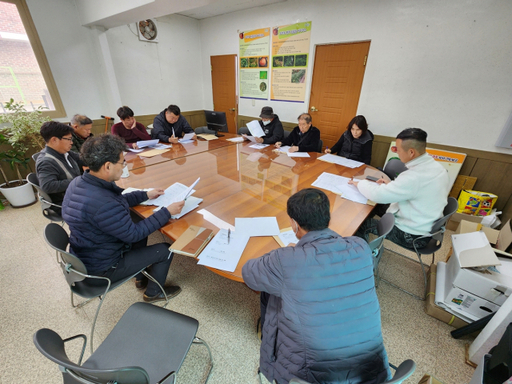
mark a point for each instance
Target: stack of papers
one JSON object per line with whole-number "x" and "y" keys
{"x": 259, "y": 146}
{"x": 208, "y": 136}
{"x": 236, "y": 139}
{"x": 340, "y": 161}
{"x": 255, "y": 128}
{"x": 187, "y": 138}
{"x": 339, "y": 185}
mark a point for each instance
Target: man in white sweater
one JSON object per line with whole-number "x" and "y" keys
{"x": 417, "y": 196}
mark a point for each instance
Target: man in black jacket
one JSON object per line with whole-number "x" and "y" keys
{"x": 271, "y": 125}
{"x": 57, "y": 165}
{"x": 169, "y": 126}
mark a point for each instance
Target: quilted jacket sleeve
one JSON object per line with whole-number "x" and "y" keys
{"x": 264, "y": 274}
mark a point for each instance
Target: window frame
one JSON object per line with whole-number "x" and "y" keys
{"x": 37, "y": 47}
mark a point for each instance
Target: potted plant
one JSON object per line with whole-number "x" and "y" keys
{"x": 20, "y": 130}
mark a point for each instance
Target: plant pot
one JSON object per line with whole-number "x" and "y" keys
{"x": 19, "y": 197}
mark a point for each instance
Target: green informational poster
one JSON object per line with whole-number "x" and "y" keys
{"x": 254, "y": 48}
{"x": 290, "y": 57}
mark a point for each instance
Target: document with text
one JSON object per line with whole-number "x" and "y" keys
{"x": 224, "y": 251}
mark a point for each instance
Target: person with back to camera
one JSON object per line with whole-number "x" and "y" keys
{"x": 320, "y": 314}
{"x": 303, "y": 138}
{"x": 356, "y": 142}
{"x": 129, "y": 129}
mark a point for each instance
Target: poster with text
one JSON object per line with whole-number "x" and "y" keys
{"x": 254, "y": 49}
{"x": 290, "y": 54}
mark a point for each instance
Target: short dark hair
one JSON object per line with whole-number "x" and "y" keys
{"x": 173, "y": 109}
{"x": 124, "y": 112}
{"x": 414, "y": 138}
{"x": 51, "y": 129}
{"x": 361, "y": 123}
{"x": 310, "y": 209}
{"x": 98, "y": 150}
{"x": 80, "y": 120}
{"x": 306, "y": 117}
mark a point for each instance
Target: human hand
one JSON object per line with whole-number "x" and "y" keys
{"x": 174, "y": 140}
{"x": 259, "y": 140}
{"x": 382, "y": 181}
{"x": 293, "y": 149}
{"x": 134, "y": 123}
{"x": 327, "y": 150}
{"x": 135, "y": 146}
{"x": 353, "y": 182}
{"x": 154, "y": 193}
{"x": 194, "y": 137}
{"x": 176, "y": 208}
{"x": 278, "y": 144}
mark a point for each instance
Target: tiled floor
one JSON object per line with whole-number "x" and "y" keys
{"x": 35, "y": 295}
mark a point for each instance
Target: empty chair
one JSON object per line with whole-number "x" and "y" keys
{"x": 286, "y": 134}
{"x": 147, "y": 345}
{"x": 50, "y": 210}
{"x": 199, "y": 130}
{"x": 244, "y": 131}
{"x": 80, "y": 282}
{"x": 393, "y": 168}
{"x": 384, "y": 226}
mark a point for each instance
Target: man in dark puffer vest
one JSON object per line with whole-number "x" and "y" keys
{"x": 319, "y": 311}
{"x": 103, "y": 235}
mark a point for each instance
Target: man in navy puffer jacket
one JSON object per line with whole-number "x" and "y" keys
{"x": 103, "y": 235}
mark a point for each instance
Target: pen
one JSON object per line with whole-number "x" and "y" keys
{"x": 229, "y": 234}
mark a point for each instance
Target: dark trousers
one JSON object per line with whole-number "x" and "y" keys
{"x": 396, "y": 235}
{"x": 157, "y": 258}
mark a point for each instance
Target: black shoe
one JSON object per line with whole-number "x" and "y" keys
{"x": 142, "y": 283}
{"x": 171, "y": 291}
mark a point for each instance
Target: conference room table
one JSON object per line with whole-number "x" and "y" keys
{"x": 240, "y": 181}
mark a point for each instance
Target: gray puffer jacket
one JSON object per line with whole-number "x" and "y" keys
{"x": 322, "y": 322}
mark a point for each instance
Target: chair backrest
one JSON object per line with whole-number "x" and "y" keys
{"x": 404, "y": 371}
{"x": 58, "y": 239}
{"x": 51, "y": 345}
{"x": 320, "y": 145}
{"x": 393, "y": 168}
{"x": 203, "y": 130}
{"x": 384, "y": 226}
{"x": 449, "y": 210}
{"x": 286, "y": 134}
{"x": 35, "y": 156}
{"x": 44, "y": 198}
{"x": 244, "y": 130}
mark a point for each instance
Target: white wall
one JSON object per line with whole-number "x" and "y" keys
{"x": 442, "y": 66}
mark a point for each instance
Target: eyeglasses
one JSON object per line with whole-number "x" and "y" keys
{"x": 123, "y": 162}
{"x": 66, "y": 138}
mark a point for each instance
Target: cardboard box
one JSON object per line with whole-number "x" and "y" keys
{"x": 432, "y": 309}
{"x": 456, "y": 218}
{"x": 462, "y": 283}
{"x": 427, "y": 379}
{"x": 500, "y": 240}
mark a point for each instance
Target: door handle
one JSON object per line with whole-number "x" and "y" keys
{"x": 313, "y": 109}
{"x": 232, "y": 109}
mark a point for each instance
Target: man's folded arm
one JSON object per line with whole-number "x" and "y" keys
{"x": 264, "y": 274}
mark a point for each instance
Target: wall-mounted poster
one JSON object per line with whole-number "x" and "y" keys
{"x": 254, "y": 48}
{"x": 290, "y": 57}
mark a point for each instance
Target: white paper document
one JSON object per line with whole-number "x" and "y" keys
{"x": 191, "y": 203}
{"x": 298, "y": 154}
{"x": 250, "y": 138}
{"x": 189, "y": 190}
{"x": 135, "y": 150}
{"x": 259, "y": 146}
{"x": 257, "y": 226}
{"x": 288, "y": 238}
{"x": 171, "y": 195}
{"x": 236, "y": 139}
{"x": 147, "y": 143}
{"x": 330, "y": 158}
{"x": 162, "y": 146}
{"x": 223, "y": 253}
{"x": 188, "y": 136}
{"x": 255, "y": 128}
{"x": 219, "y": 223}
{"x": 350, "y": 192}
{"x": 339, "y": 185}
{"x": 125, "y": 173}
{"x": 131, "y": 189}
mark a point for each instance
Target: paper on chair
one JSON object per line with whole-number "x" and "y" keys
{"x": 223, "y": 254}
{"x": 255, "y": 128}
{"x": 257, "y": 226}
{"x": 219, "y": 223}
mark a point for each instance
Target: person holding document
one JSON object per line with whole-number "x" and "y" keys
{"x": 129, "y": 129}
{"x": 169, "y": 126}
{"x": 103, "y": 235}
{"x": 320, "y": 315}
{"x": 271, "y": 125}
{"x": 304, "y": 137}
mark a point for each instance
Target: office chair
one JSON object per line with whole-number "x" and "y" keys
{"x": 320, "y": 145}
{"x": 80, "y": 282}
{"x": 47, "y": 206}
{"x": 286, "y": 134}
{"x": 384, "y": 226}
{"x": 244, "y": 130}
{"x": 393, "y": 168}
{"x": 199, "y": 130}
{"x": 435, "y": 243}
{"x": 147, "y": 345}
{"x": 402, "y": 372}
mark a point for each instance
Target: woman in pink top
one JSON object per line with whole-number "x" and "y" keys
{"x": 129, "y": 129}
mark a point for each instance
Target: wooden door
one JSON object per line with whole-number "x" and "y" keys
{"x": 337, "y": 79}
{"x": 224, "y": 88}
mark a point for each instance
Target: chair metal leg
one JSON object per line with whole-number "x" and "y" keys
{"x": 157, "y": 283}
{"x": 197, "y": 340}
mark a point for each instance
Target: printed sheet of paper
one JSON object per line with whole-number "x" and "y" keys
{"x": 339, "y": 185}
{"x": 135, "y": 150}
{"x": 330, "y": 158}
{"x": 189, "y": 190}
{"x": 257, "y": 226}
{"x": 350, "y": 192}
{"x": 298, "y": 154}
{"x": 236, "y": 139}
{"x": 153, "y": 152}
{"x": 259, "y": 146}
{"x": 171, "y": 195}
{"x": 250, "y": 138}
{"x": 283, "y": 149}
{"x": 221, "y": 254}
{"x": 131, "y": 189}
{"x": 255, "y": 128}
{"x": 219, "y": 223}
{"x": 286, "y": 237}
{"x": 162, "y": 146}
{"x": 125, "y": 173}
{"x": 147, "y": 143}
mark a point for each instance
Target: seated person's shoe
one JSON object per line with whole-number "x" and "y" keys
{"x": 171, "y": 291}
{"x": 142, "y": 283}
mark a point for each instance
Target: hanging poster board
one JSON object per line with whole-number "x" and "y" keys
{"x": 254, "y": 48}
{"x": 290, "y": 58}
